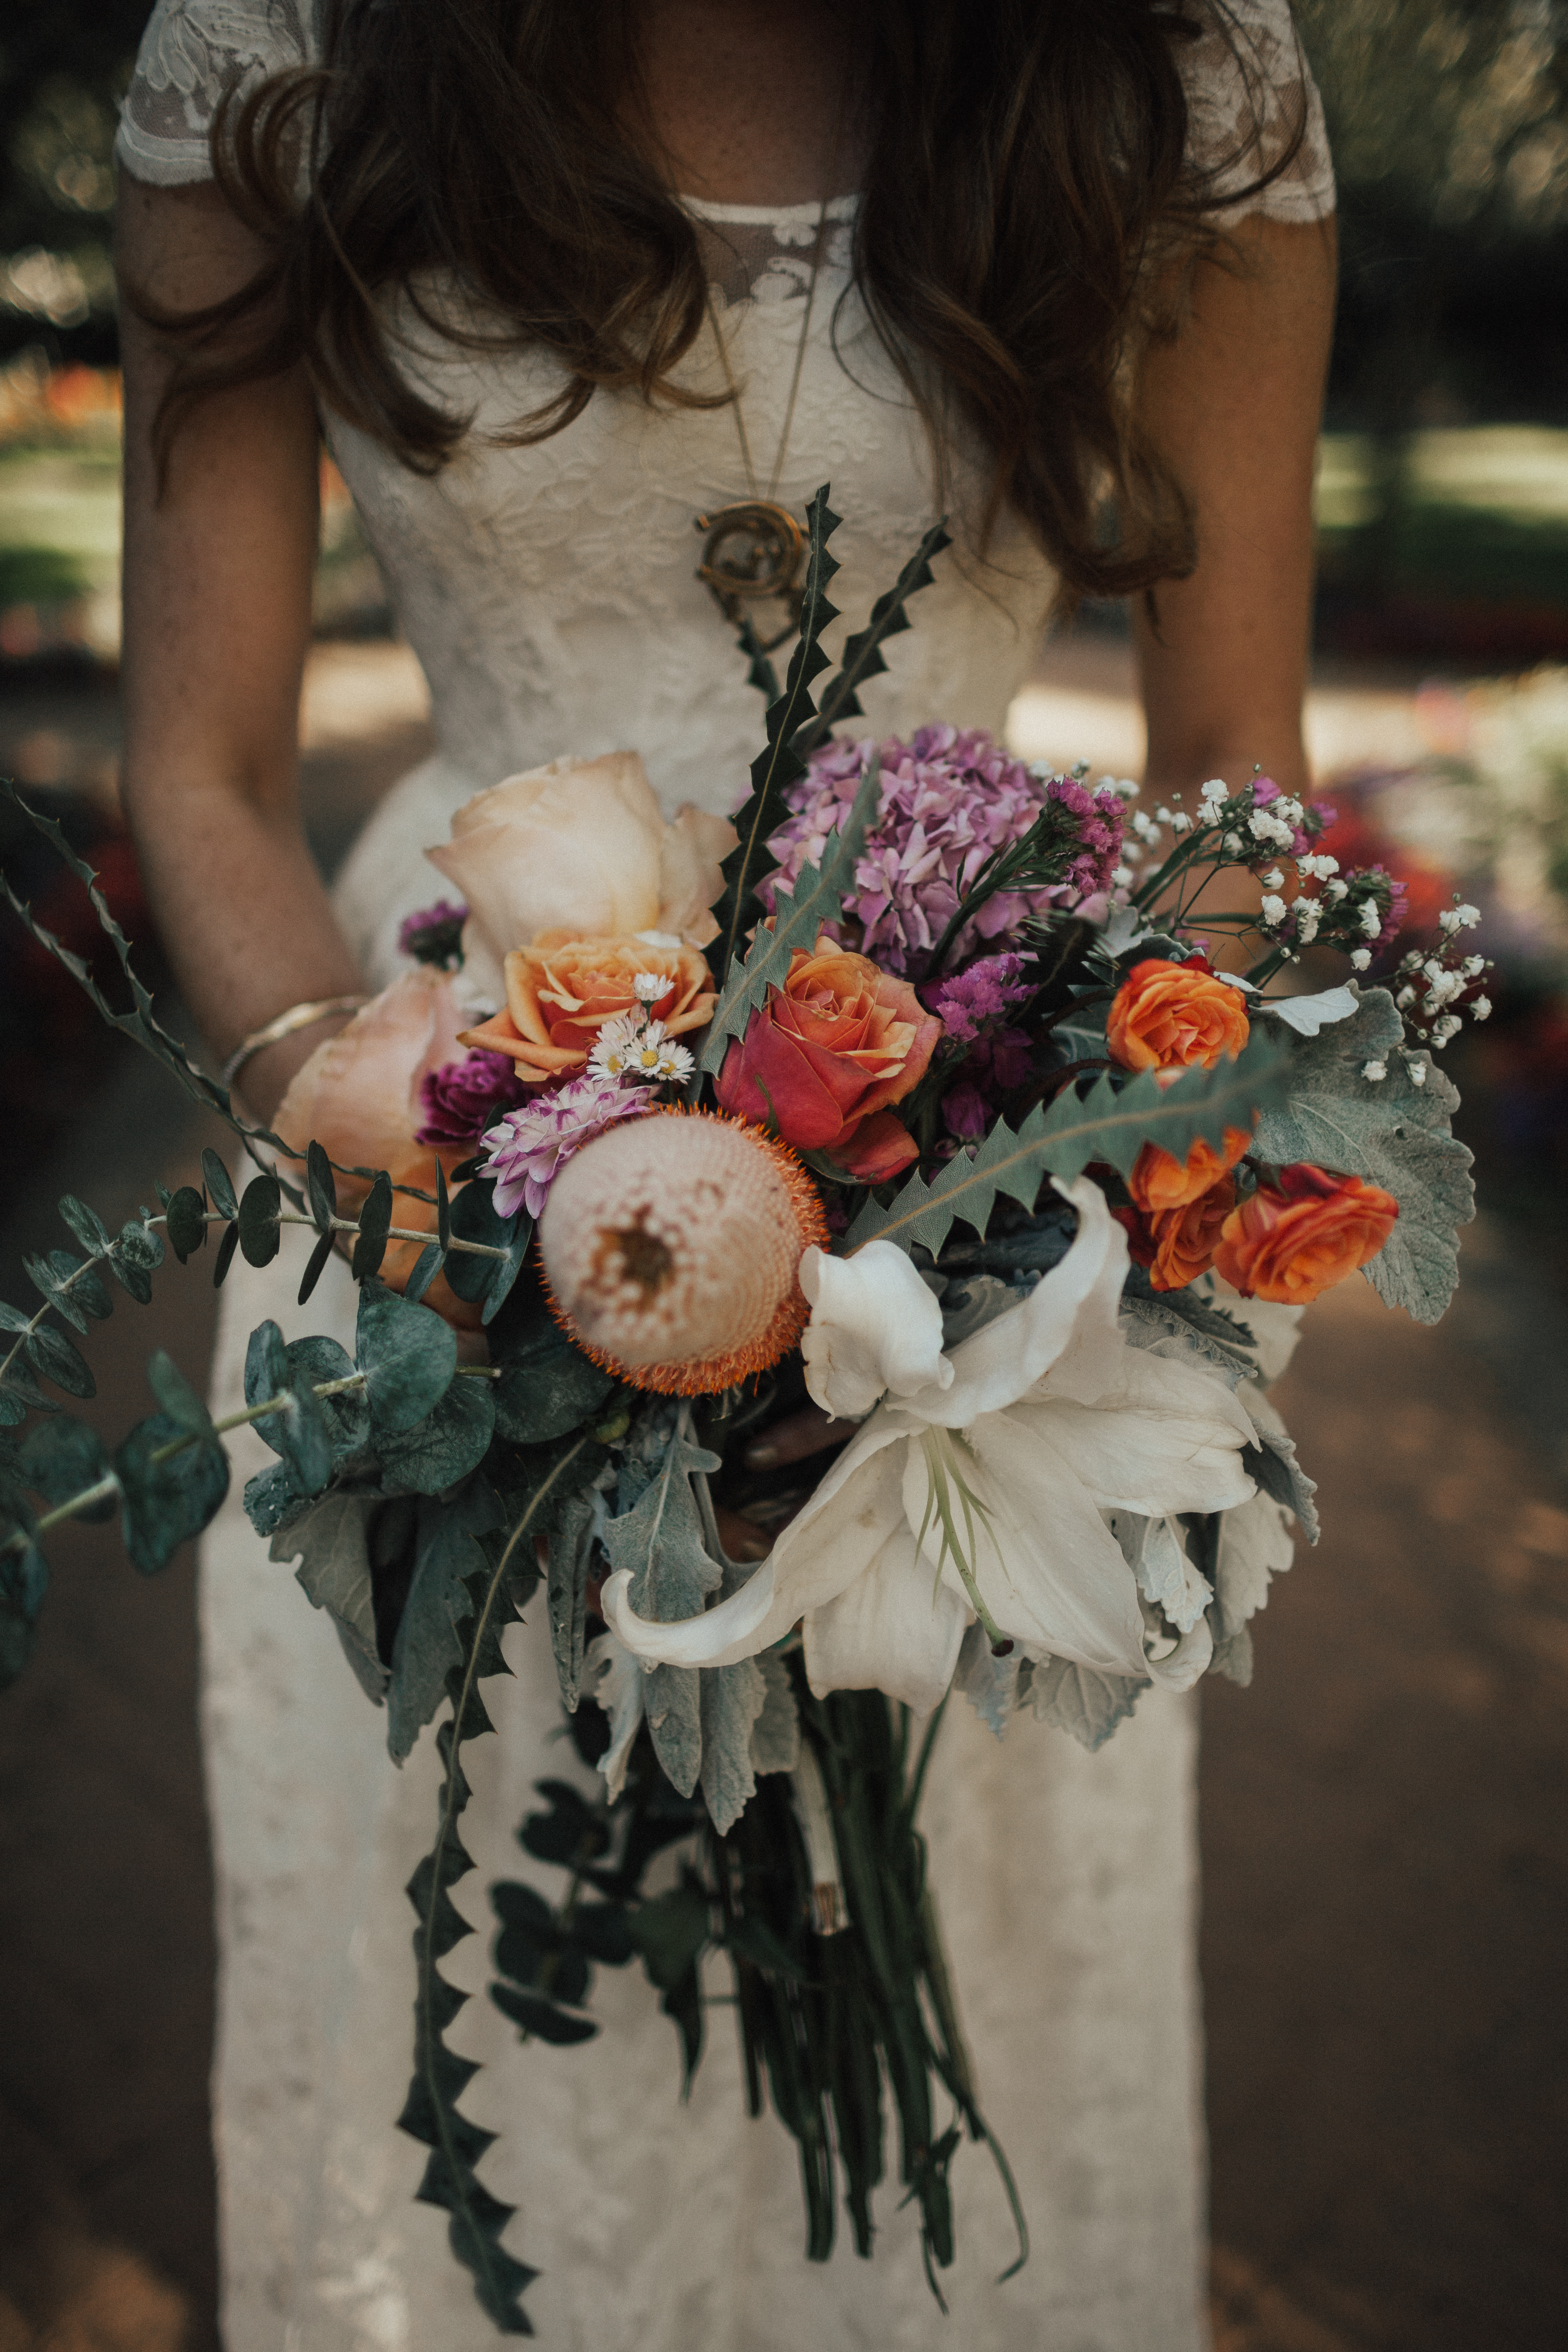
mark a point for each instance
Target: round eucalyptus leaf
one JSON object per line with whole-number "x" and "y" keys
{"x": 315, "y": 1268}
{"x": 174, "y": 1392}
{"x": 167, "y": 1503}
{"x": 188, "y": 1221}
{"x": 549, "y": 1386}
{"x": 408, "y": 1357}
{"x": 140, "y": 1245}
{"x": 219, "y": 1184}
{"x": 266, "y": 1372}
{"x": 473, "y": 1218}
{"x": 319, "y": 1187}
{"x": 316, "y": 1361}
{"x": 52, "y": 1273}
{"x": 259, "y": 1228}
{"x": 374, "y": 1217}
{"x": 226, "y": 1250}
{"x": 86, "y": 1225}
{"x": 53, "y": 1355}
{"x": 65, "y": 1457}
{"x": 443, "y": 1447}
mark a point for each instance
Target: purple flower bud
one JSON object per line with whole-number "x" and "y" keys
{"x": 435, "y": 935}
{"x": 462, "y": 1099}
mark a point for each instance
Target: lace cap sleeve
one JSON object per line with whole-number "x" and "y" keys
{"x": 1249, "y": 88}
{"x": 191, "y": 53}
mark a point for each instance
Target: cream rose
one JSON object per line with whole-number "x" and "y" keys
{"x": 578, "y": 846}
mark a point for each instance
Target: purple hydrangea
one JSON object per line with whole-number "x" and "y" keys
{"x": 460, "y": 1099}
{"x": 949, "y": 801}
{"x": 527, "y": 1150}
{"x": 434, "y": 935}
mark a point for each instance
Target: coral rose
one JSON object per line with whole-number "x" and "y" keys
{"x": 1170, "y": 1015}
{"x": 580, "y": 846}
{"x": 1295, "y": 1238}
{"x": 1160, "y": 1181}
{"x": 828, "y": 1054}
{"x": 561, "y": 992}
{"x": 1178, "y": 1244}
{"x": 359, "y": 1096}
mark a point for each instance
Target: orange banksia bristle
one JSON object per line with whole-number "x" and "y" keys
{"x": 672, "y": 1247}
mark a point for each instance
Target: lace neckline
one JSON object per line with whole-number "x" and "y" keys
{"x": 839, "y": 208}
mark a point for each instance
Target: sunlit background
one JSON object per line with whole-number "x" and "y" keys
{"x": 1383, "y": 1855}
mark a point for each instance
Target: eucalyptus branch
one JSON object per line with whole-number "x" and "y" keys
{"x": 345, "y": 1226}
{"x": 107, "y": 1488}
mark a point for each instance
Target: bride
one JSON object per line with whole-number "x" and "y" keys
{"x": 553, "y": 279}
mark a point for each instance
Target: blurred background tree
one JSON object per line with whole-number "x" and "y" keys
{"x": 64, "y": 65}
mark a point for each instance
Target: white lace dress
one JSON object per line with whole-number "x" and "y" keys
{"x": 550, "y": 595}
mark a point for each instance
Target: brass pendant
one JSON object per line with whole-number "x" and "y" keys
{"x": 754, "y": 552}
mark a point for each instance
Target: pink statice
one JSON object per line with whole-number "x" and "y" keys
{"x": 949, "y": 802}
{"x": 527, "y": 1150}
{"x": 971, "y": 1003}
{"x": 460, "y": 1099}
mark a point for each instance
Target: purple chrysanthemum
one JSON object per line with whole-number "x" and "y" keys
{"x": 527, "y": 1150}
{"x": 434, "y": 935}
{"x": 949, "y": 802}
{"x": 460, "y": 1099}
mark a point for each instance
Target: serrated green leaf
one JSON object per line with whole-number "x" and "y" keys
{"x": 329, "y": 1542}
{"x": 660, "y": 1539}
{"x": 817, "y": 896}
{"x": 407, "y": 1355}
{"x": 52, "y": 1354}
{"x": 62, "y": 1458}
{"x": 427, "y": 1647}
{"x": 863, "y": 652}
{"x": 1110, "y": 1123}
{"x": 1080, "y": 1700}
{"x": 374, "y": 1217}
{"x": 174, "y": 1393}
{"x": 777, "y": 764}
{"x": 166, "y": 1503}
{"x": 452, "y": 1440}
{"x": 186, "y": 1223}
{"x": 219, "y": 1184}
{"x": 261, "y": 1234}
{"x": 1392, "y": 1132}
{"x": 86, "y": 1225}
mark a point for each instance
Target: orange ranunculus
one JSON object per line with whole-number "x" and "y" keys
{"x": 1169, "y": 1015}
{"x": 1297, "y": 1238}
{"x": 358, "y": 1098}
{"x": 1178, "y": 1244}
{"x": 1160, "y": 1181}
{"x": 828, "y": 1054}
{"x": 561, "y": 992}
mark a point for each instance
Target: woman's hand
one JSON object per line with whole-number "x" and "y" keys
{"x": 218, "y": 571}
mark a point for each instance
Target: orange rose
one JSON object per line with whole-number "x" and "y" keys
{"x": 828, "y": 1054}
{"x": 561, "y": 992}
{"x": 1160, "y": 1181}
{"x": 1169, "y": 1015}
{"x": 358, "y": 1098}
{"x": 1297, "y": 1238}
{"x": 1178, "y": 1244}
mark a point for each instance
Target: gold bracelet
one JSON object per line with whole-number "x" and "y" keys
{"x": 283, "y": 1024}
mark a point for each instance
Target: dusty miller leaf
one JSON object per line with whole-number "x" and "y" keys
{"x": 1391, "y": 1132}
{"x": 660, "y": 1540}
{"x": 330, "y": 1545}
{"x": 1080, "y": 1700}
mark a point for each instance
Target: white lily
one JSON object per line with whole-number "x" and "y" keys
{"x": 982, "y": 1490}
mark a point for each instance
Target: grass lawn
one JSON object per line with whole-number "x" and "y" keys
{"x": 1485, "y": 517}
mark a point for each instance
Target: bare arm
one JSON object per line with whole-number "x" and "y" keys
{"x": 1234, "y": 403}
{"x": 217, "y": 618}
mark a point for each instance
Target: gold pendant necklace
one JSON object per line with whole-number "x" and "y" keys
{"x": 754, "y": 550}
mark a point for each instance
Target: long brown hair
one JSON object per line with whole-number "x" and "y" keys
{"x": 1027, "y": 174}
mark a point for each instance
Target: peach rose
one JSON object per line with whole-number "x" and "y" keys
{"x": 1170, "y": 1015}
{"x": 1295, "y": 1238}
{"x": 1160, "y": 1181}
{"x": 358, "y": 1098}
{"x": 1178, "y": 1244}
{"x": 561, "y": 992}
{"x": 579, "y": 846}
{"x": 828, "y": 1054}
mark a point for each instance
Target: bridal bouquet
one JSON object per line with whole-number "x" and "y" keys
{"x": 831, "y": 1262}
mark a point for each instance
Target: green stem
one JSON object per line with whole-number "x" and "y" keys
{"x": 351, "y": 1225}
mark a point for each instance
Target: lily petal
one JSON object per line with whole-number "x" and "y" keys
{"x": 888, "y": 1631}
{"x": 874, "y": 1327}
{"x": 1166, "y": 1441}
{"x": 1068, "y": 1319}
